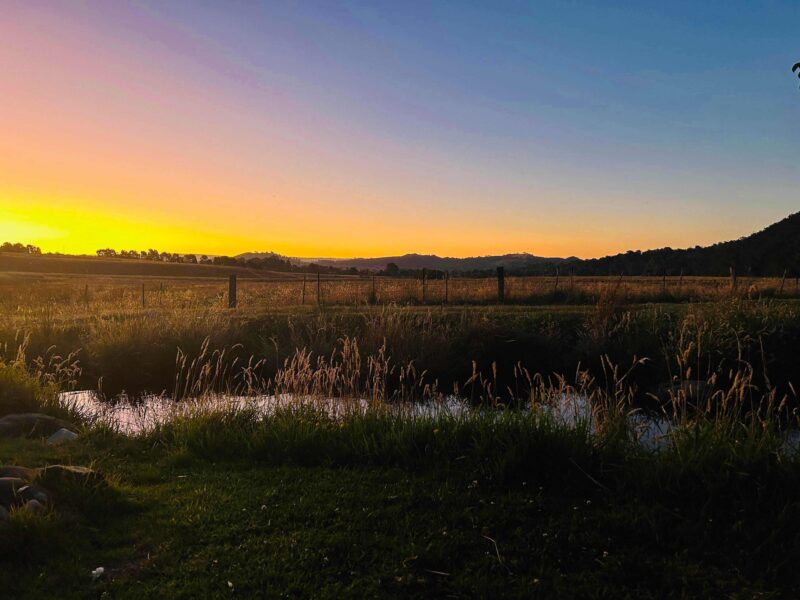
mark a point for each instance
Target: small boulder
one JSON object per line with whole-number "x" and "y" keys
{"x": 34, "y": 492}
{"x": 31, "y": 424}
{"x": 34, "y": 506}
{"x": 57, "y": 475}
{"x": 23, "y": 473}
{"x": 62, "y": 435}
{"x": 9, "y": 491}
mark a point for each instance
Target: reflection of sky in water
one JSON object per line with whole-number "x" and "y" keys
{"x": 142, "y": 416}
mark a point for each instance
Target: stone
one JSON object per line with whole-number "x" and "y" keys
{"x": 34, "y": 492}
{"x": 34, "y": 506}
{"x": 9, "y": 487}
{"x": 23, "y": 473}
{"x": 56, "y": 475}
{"x": 62, "y": 435}
{"x": 31, "y": 424}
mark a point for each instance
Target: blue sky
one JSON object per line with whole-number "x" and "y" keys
{"x": 553, "y": 127}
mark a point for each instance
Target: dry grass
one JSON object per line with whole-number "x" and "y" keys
{"x": 31, "y": 294}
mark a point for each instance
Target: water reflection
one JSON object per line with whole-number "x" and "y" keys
{"x": 132, "y": 418}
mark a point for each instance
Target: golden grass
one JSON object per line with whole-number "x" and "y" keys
{"x": 22, "y": 294}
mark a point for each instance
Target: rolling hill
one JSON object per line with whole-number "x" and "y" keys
{"x": 768, "y": 252}
{"x": 427, "y": 261}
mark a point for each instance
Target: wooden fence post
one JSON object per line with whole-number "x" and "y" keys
{"x": 142, "y": 295}
{"x": 232, "y": 291}
{"x": 680, "y": 282}
{"x": 446, "y": 286}
{"x": 319, "y": 291}
{"x": 555, "y": 287}
{"x": 783, "y": 280}
{"x": 374, "y": 292}
{"x": 303, "y": 295}
{"x": 733, "y": 279}
{"x": 664, "y": 283}
{"x": 424, "y": 277}
{"x": 86, "y": 294}
{"x": 501, "y": 284}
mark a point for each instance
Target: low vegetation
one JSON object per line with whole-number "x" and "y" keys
{"x": 507, "y": 498}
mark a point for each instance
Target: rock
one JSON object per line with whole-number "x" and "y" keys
{"x": 31, "y": 424}
{"x": 56, "y": 475}
{"x": 62, "y": 435}
{"x": 23, "y": 473}
{"x": 34, "y": 506}
{"x": 34, "y": 492}
{"x": 4, "y": 516}
{"x": 9, "y": 487}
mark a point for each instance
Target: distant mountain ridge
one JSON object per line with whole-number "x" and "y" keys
{"x": 426, "y": 261}
{"x": 769, "y": 252}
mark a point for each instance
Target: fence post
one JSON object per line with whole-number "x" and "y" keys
{"x": 733, "y": 279}
{"x": 86, "y": 294}
{"x": 680, "y": 282}
{"x": 303, "y": 295}
{"x": 501, "y": 284}
{"x": 446, "y": 290}
{"x": 783, "y": 280}
{"x": 664, "y": 282}
{"x": 374, "y": 292}
{"x": 319, "y": 291}
{"x": 142, "y": 295}
{"x": 555, "y": 287}
{"x": 232, "y": 291}
{"x": 424, "y": 277}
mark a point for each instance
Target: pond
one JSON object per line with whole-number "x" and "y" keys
{"x": 143, "y": 415}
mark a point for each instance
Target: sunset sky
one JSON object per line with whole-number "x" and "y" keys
{"x": 331, "y": 129}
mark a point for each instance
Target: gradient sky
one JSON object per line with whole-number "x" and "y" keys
{"x": 376, "y": 128}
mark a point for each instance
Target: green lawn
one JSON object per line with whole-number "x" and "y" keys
{"x": 181, "y": 527}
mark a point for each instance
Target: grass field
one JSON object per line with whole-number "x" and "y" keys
{"x": 502, "y": 501}
{"x": 181, "y": 526}
{"x": 102, "y": 285}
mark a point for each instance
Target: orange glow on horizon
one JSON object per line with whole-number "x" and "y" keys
{"x": 71, "y": 228}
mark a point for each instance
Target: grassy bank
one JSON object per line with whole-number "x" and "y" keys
{"x": 369, "y": 503}
{"x": 136, "y": 351}
{"x": 516, "y": 507}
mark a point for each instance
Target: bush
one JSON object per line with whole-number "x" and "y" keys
{"x": 22, "y": 392}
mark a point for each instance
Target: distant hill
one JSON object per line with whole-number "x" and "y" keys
{"x": 262, "y": 256}
{"x": 769, "y": 252}
{"x": 91, "y": 265}
{"x": 427, "y": 261}
{"x": 766, "y": 253}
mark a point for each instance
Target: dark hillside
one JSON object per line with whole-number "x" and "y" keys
{"x": 766, "y": 253}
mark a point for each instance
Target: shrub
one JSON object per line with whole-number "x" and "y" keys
{"x": 22, "y": 392}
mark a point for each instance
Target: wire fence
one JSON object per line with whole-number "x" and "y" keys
{"x": 98, "y": 294}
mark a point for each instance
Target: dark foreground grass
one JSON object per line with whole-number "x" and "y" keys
{"x": 177, "y": 525}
